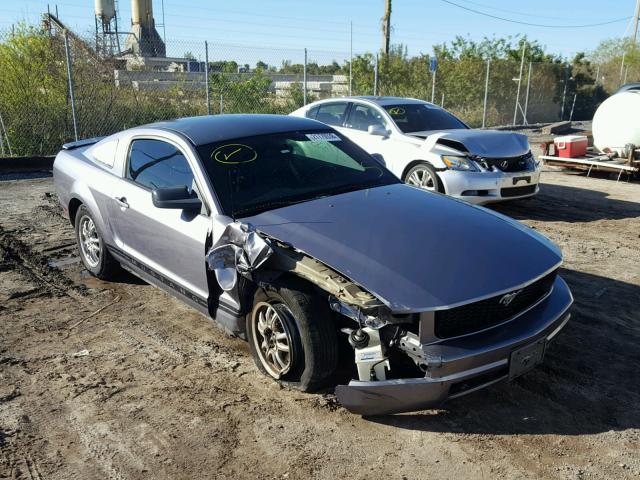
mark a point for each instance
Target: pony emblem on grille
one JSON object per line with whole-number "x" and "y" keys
{"x": 508, "y": 298}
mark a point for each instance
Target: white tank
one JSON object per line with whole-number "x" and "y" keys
{"x": 105, "y": 9}
{"x": 617, "y": 122}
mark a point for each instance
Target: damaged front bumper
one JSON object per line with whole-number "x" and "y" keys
{"x": 488, "y": 187}
{"x": 465, "y": 364}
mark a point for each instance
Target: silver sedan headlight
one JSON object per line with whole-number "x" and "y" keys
{"x": 459, "y": 163}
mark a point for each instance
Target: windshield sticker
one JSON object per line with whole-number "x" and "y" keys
{"x": 234, "y": 154}
{"x": 396, "y": 111}
{"x": 323, "y": 137}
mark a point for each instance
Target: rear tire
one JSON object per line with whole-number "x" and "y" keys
{"x": 292, "y": 337}
{"x": 93, "y": 252}
{"x": 424, "y": 176}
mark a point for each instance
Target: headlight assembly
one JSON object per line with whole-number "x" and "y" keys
{"x": 459, "y": 163}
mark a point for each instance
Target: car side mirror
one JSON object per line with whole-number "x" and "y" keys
{"x": 377, "y": 130}
{"x": 379, "y": 158}
{"x": 175, "y": 198}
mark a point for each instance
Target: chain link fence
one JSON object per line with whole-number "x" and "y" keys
{"x": 57, "y": 86}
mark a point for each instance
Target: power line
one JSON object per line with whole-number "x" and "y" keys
{"x": 533, "y": 24}
{"x": 504, "y": 10}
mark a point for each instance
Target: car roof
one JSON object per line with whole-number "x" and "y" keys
{"x": 382, "y": 101}
{"x": 628, "y": 86}
{"x": 214, "y": 128}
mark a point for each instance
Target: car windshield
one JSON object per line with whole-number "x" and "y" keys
{"x": 420, "y": 117}
{"x": 254, "y": 174}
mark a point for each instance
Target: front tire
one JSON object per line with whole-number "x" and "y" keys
{"x": 292, "y": 337}
{"x": 424, "y": 176}
{"x": 93, "y": 252}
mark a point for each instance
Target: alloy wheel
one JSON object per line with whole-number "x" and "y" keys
{"x": 272, "y": 338}
{"x": 89, "y": 241}
{"x": 421, "y": 177}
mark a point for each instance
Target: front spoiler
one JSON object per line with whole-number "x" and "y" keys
{"x": 468, "y": 363}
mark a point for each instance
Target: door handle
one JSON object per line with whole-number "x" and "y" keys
{"x": 122, "y": 201}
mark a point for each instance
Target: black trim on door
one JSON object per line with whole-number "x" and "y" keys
{"x": 181, "y": 291}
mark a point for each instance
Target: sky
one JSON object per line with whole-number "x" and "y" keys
{"x": 265, "y": 29}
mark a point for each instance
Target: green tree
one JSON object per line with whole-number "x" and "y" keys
{"x": 33, "y": 96}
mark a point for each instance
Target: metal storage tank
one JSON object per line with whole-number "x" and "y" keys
{"x": 616, "y": 123}
{"x": 105, "y": 10}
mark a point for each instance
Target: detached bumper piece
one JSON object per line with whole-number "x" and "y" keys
{"x": 468, "y": 363}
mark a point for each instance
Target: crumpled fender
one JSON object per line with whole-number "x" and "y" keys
{"x": 240, "y": 250}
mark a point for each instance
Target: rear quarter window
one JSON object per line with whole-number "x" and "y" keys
{"x": 104, "y": 152}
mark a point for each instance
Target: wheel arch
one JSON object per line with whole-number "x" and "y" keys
{"x": 74, "y": 205}
{"x": 413, "y": 163}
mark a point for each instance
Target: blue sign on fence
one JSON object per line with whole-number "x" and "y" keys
{"x": 433, "y": 65}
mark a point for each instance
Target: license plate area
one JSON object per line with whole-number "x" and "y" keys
{"x": 526, "y": 180}
{"x": 526, "y": 358}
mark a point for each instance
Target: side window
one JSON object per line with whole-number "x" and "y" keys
{"x": 312, "y": 112}
{"x": 156, "y": 164}
{"x": 363, "y": 116}
{"x": 332, "y": 113}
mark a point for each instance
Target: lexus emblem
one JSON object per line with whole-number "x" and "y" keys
{"x": 504, "y": 165}
{"x": 508, "y": 298}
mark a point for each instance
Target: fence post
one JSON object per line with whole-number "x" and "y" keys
{"x": 486, "y": 95}
{"x": 433, "y": 87}
{"x": 515, "y": 112}
{"x": 375, "y": 77}
{"x": 304, "y": 79}
{"x": 564, "y": 92}
{"x": 206, "y": 75}
{"x": 6, "y": 136}
{"x": 573, "y": 105}
{"x": 350, "y": 57}
{"x": 526, "y": 98}
{"x": 70, "y": 78}
{"x": 220, "y": 103}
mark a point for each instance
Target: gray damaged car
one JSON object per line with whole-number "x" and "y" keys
{"x": 292, "y": 237}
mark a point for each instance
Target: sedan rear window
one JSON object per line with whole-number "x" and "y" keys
{"x": 254, "y": 174}
{"x": 420, "y": 117}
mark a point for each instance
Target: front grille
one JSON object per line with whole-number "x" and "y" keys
{"x": 517, "y": 191}
{"x": 521, "y": 163}
{"x": 487, "y": 313}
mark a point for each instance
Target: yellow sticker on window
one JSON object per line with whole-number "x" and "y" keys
{"x": 234, "y": 154}
{"x": 396, "y": 111}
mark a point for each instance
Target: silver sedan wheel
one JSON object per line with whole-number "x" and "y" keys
{"x": 421, "y": 177}
{"x": 272, "y": 338}
{"x": 89, "y": 241}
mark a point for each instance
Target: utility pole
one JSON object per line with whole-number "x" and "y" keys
{"x": 386, "y": 27}
{"x": 635, "y": 23}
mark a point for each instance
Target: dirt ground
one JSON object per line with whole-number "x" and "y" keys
{"x": 118, "y": 380}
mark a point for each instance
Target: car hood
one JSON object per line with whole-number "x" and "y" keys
{"x": 485, "y": 143}
{"x": 415, "y": 250}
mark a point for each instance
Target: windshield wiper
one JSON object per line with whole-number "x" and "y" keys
{"x": 270, "y": 205}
